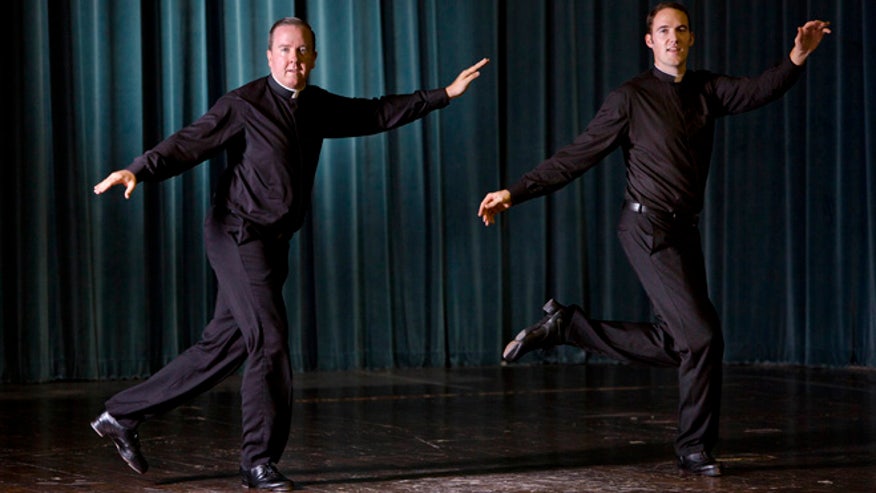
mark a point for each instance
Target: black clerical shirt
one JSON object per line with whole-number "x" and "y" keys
{"x": 665, "y": 130}
{"x": 273, "y": 143}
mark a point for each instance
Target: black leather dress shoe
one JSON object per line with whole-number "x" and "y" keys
{"x": 126, "y": 439}
{"x": 546, "y": 333}
{"x": 701, "y": 463}
{"x": 265, "y": 477}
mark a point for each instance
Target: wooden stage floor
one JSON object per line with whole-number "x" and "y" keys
{"x": 497, "y": 429}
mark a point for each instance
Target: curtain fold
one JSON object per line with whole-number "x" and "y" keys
{"x": 392, "y": 267}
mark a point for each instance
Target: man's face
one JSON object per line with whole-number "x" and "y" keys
{"x": 291, "y": 56}
{"x": 670, "y": 39}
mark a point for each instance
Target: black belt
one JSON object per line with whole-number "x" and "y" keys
{"x": 644, "y": 209}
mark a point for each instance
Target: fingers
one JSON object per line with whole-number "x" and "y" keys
{"x": 492, "y": 204}
{"x": 460, "y": 85}
{"x": 484, "y": 211}
{"x": 488, "y": 203}
{"x": 104, "y": 185}
{"x": 486, "y": 215}
{"x": 122, "y": 177}
{"x": 478, "y": 66}
{"x": 809, "y": 37}
{"x": 817, "y": 24}
{"x": 130, "y": 189}
{"x": 815, "y": 27}
{"x": 473, "y": 71}
{"x": 483, "y": 207}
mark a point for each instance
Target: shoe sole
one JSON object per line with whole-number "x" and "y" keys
{"x": 710, "y": 473}
{"x": 278, "y": 488}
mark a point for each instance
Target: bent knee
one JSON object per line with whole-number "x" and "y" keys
{"x": 706, "y": 340}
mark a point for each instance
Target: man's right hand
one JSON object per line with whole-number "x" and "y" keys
{"x": 120, "y": 177}
{"x": 494, "y": 203}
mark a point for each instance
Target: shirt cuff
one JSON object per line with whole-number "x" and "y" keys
{"x": 139, "y": 168}
{"x": 518, "y": 193}
{"x": 438, "y": 98}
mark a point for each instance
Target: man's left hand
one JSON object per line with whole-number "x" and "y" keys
{"x": 808, "y": 38}
{"x": 460, "y": 85}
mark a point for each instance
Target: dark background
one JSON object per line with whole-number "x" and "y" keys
{"x": 393, "y": 268}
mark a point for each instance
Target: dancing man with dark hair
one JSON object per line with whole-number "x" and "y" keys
{"x": 664, "y": 122}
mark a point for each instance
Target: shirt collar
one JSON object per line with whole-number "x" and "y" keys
{"x": 663, "y": 75}
{"x": 281, "y": 90}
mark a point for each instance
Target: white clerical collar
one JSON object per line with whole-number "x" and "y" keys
{"x": 674, "y": 77}
{"x": 293, "y": 91}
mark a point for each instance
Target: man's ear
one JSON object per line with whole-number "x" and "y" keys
{"x": 649, "y": 42}
{"x": 691, "y": 38}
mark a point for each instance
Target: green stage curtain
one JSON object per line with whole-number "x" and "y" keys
{"x": 392, "y": 268}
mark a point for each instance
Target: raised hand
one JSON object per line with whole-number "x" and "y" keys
{"x": 808, "y": 38}
{"x": 460, "y": 85}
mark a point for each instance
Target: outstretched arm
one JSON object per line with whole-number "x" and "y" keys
{"x": 494, "y": 203}
{"x": 808, "y": 38}
{"x": 121, "y": 177}
{"x": 460, "y": 85}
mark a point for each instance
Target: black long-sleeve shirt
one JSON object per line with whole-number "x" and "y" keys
{"x": 666, "y": 132}
{"x": 273, "y": 144}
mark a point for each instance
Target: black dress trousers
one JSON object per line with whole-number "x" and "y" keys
{"x": 249, "y": 324}
{"x": 666, "y": 254}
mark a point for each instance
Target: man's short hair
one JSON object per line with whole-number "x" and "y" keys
{"x": 291, "y": 21}
{"x": 662, "y": 6}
